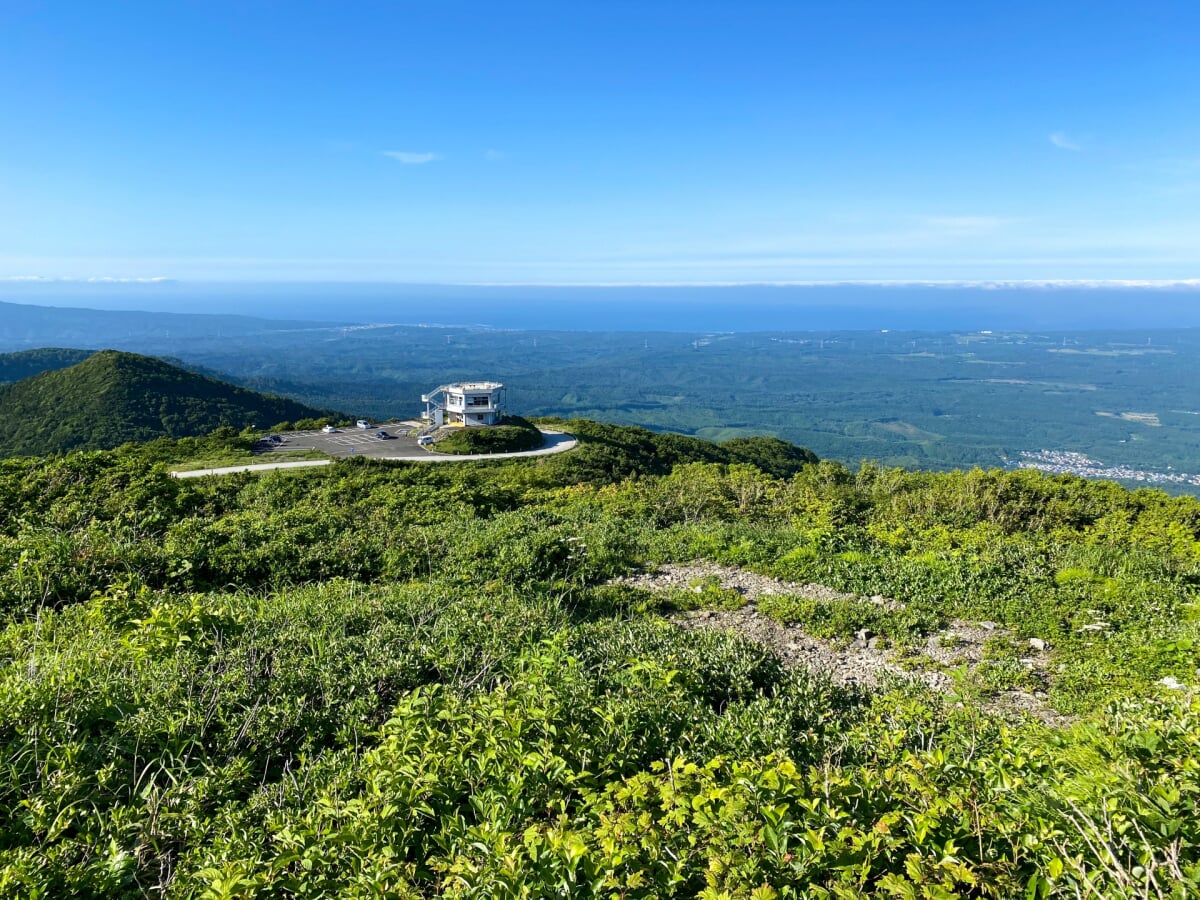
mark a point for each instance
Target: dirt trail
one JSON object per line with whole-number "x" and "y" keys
{"x": 863, "y": 662}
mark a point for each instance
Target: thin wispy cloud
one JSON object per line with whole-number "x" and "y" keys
{"x": 1062, "y": 141}
{"x": 407, "y": 158}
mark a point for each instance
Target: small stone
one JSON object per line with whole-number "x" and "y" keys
{"x": 863, "y": 635}
{"x": 1170, "y": 683}
{"x": 1039, "y": 645}
{"x": 875, "y": 643}
{"x": 988, "y": 626}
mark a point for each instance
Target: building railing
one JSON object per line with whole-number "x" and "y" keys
{"x": 471, "y": 407}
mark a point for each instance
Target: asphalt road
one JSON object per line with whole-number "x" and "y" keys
{"x": 556, "y": 442}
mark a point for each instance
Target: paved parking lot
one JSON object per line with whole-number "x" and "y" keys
{"x": 355, "y": 442}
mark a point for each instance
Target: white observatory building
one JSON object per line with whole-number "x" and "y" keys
{"x": 466, "y": 404}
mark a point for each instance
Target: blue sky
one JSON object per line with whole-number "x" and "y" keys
{"x": 599, "y": 142}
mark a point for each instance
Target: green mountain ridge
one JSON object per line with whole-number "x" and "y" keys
{"x": 112, "y": 397}
{"x": 27, "y": 363}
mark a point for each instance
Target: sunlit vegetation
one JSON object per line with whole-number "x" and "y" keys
{"x": 401, "y": 680}
{"x": 512, "y": 435}
{"x": 110, "y": 398}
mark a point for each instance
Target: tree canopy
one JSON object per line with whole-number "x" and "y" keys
{"x": 111, "y": 397}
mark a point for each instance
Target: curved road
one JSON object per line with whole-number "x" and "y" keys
{"x": 556, "y": 442}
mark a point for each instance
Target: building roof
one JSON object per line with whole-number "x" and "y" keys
{"x": 472, "y": 386}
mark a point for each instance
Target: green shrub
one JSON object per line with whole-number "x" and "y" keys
{"x": 512, "y": 435}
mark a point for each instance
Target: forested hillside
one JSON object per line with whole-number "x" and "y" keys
{"x": 111, "y": 397}
{"x": 27, "y": 363}
{"x": 487, "y": 680}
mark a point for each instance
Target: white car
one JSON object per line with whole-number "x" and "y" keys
{"x": 363, "y": 423}
{"x": 329, "y": 429}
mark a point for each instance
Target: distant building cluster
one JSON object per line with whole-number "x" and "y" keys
{"x": 1065, "y": 462}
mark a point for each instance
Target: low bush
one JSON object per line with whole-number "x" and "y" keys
{"x": 512, "y": 435}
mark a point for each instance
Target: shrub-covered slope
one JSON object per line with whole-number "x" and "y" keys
{"x": 396, "y": 680}
{"x": 112, "y": 397}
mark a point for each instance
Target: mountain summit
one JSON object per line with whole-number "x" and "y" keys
{"x": 113, "y": 397}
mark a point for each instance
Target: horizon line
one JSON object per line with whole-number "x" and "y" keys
{"x": 983, "y": 283}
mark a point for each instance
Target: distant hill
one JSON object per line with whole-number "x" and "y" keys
{"x": 23, "y": 326}
{"x": 112, "y": 397}
{"x": 27, "y": 363}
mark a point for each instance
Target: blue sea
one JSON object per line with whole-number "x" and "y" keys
{"x": 735, "y": 308}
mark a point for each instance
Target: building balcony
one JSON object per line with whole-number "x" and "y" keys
{"x": 471, "y": 407}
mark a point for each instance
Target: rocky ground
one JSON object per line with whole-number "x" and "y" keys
{"x": 864, "y": 660}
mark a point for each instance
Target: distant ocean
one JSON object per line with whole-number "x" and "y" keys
{"x": 652, "y": 308}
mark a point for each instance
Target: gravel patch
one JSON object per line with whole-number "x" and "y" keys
{"x": 750, "y": 585}
{"x": 863, "y": 661}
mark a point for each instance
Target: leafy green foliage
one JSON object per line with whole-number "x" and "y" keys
{"x": 612, "y": 453}
{"x": 512, "y": 435}
{"x": 399, "y": 680}
{"x": 769, "y": 455}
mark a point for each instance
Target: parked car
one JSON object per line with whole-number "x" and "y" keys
{"x": 329, "y": 429}
{"x": 364, "y": 424}
{"x": 383, "y": 435}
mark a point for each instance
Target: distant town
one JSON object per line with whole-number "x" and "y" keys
{"x": 1063, "y": 462}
